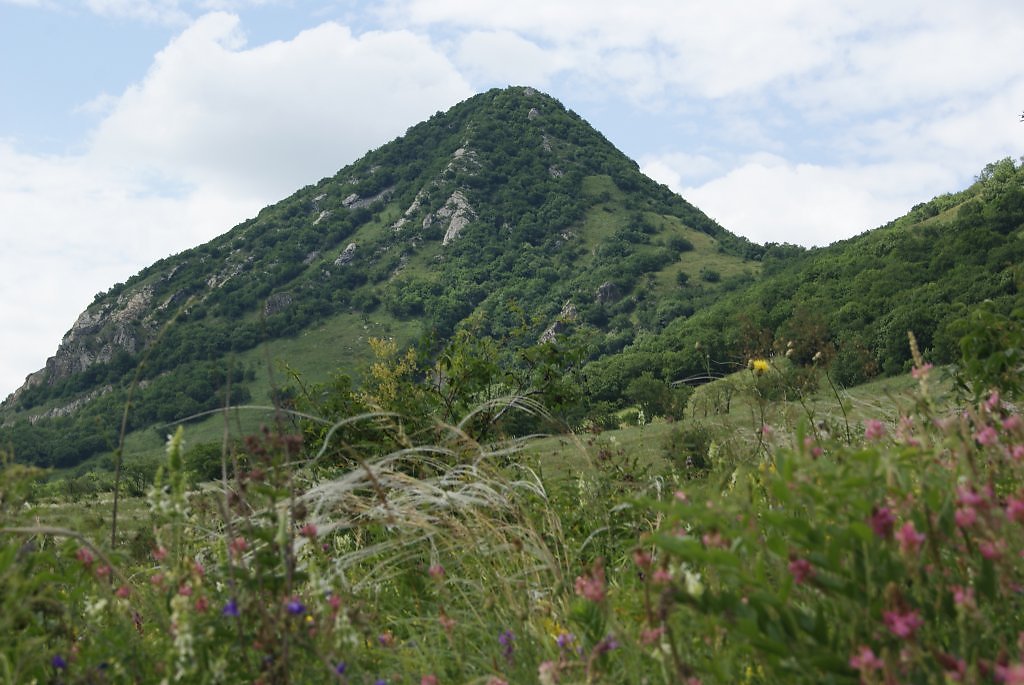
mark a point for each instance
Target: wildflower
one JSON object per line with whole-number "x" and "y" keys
{"x": 987, "y": 436}
{"x": 882, "y": 522}
{"x": 902, "y": 625}
{"x": 919, "y": 372}
{"x": 606, "y": 645}
{"x": 1010, "y": 675}
{"x": 386, "y": 639}
{"x": 993, "y": 402}
{"x": 1012, "y": 423}
{"x": 201, "y": 605}
{"x": 963, "y": 597}
{"x": 103, "y": 571}
{"x": 447, "y": 622}
{"x": 295, "y": 607}
{"x": 874, "y": 430}
{"x": 651, "y": 635}
{"x": 185, "y": 590}
{"x": 592, "y": 586}
{"x": 380, "y": 681}
{"x": 123, "y": 591}
{"x": 955, "y": 668}
{"x": 428, "y": 680}
{"x": 160, "y": 553}
{"x": 1017, "y": 453}
{"x": 495, "y": 680}
{"x": 1015, "y": 509}
{"x": 58, "y": 662}
{"x": 992, "y": 549}
{"x": 865, "y": 660}
{"x": 691, "y": 579}
{"x": 435, "y": 571}
{"x": 801, "y": 570}
{"x": 662, "y": 576}
{"x": 230, "y": 609}
{"x": 505, "y": 640}
{"x": 565, "y": 640}
{"x": 341, "y": 668}
{"x": 910, "y": 540}
{"x": 238, "y": 546}
{"x": 970, "y": 497}
{"x": 680, "y": 496}
{"x": 547, "y": 673}
{"x": 85, "y": 556}
{"x": 759, "y": 366}
{"x": 714, "y": 539}
{"x": 642, "y": 558}
{"x": 156, "y": 579}
{"x": 965, "y": 516}
{"x": 812, "y": 446}
{"x": 308, "y": 531}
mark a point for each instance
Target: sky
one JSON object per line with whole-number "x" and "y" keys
{"x": 134, "y": 129}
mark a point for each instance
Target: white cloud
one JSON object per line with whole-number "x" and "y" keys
{"x": 769, "y": 199}
{"x": 504, "y": 57}
{"x": 274, "y": 117}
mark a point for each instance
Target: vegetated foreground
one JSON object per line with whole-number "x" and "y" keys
{"x": 825, "y": 548}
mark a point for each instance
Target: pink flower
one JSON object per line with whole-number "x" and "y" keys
{"x": 812, "y": 446}
{"x": 547, "y": 673}
{"x": 902, "y": 625}
{"x": 987, "y": 436}
{"x": 651, "y": 635}
{"x": 1012, "y": 423}
{"x": 865, "y": 660}
{"x": 428, "y": 680}
{"x": 160, "y": 553}
{"x": 713, "y": 539}
{"x": 910, "y": 540}
{"x": 85, "y": 556}
{"x": 1015, "y": 509}
{"x": 969, "y": 497}
{"x": 591, "y": 586}
{"x": 965, "y": 516}
{"x": 993, "y": 402}
{"x": 992, "y": 549}
{"x": 495, "y": 680}
{"x": 642, "y": 558}
{"x": 237, "y": 546}
{"x": 123, "y": 591}
{"x": 874, "y": 430}
{"x": 662, "y": 576}
{"x": 202, "y": 604}
{"x": 436, "y": 571}
{"x": 882, "y": 522}
{"x": 1017, "y": 453}
{"x": 964, "y": 597}
{"x": 308, "y": 531}
{"x": 801, "y": 570}
{"x": 919, "y": 372}
{"x": 1011, "y": 675}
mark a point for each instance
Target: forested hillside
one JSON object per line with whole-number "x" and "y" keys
{"x": 511, "y": 219}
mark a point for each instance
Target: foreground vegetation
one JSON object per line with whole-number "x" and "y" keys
{"x": 826, "y": 546}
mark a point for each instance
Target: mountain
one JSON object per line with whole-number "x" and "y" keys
{"x": 508, "y": 213}
{"x": 509, "y": 217}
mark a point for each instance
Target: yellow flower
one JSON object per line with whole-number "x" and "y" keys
{"x": 759, "y": 366}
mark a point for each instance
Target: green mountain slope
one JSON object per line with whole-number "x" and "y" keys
{"x": 507, "y": 213}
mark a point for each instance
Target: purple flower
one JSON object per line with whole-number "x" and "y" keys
{"x": 340, "y": 668}
{"x": 505, "y": 640}
{"x": 607, "y": 644}
{"x": 295, "y": 607}
{"x": 58, "y": 662}
{"x": 882, "y": 521}
{"x": 565, "y": 640}
{"x": 230, "y": 609}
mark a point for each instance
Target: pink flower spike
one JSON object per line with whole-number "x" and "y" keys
{"x": 882, "y": 522}
{"x": 969, "y": 497}
{"x": 1017, "y": 453}
{"x": 874, "y": 430}
{"x": 964, "y": 597}
{"x": 987, "y": 436}
{"x": 910, "y": 540}
{"x": 903, "y": 625}
{"x": 662, "y": 576}
{"x": 992, "y": 549}
{"x": 801, "y": 570}
{"x": 919, "y": 372}
{"x": 993, "y": 402}
{"x": 85, "y": 556}
{"x": 965, "y": 517}
{"x": 1010, "y": 675}
{"x": 1012, "y": 423}
{"x": 865, "y": 660}
{"x": 1015, "y": 509}
{"x": 429, "y": 680}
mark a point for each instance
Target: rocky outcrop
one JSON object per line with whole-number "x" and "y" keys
{"x": 456, "y": 214}
{"x": 277, "y": 303}
{"x": 347, "y": 255}
{"x": 353, "y": 201}
{"x": 607, "y": 293}
{"x": 566, "y": 317}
